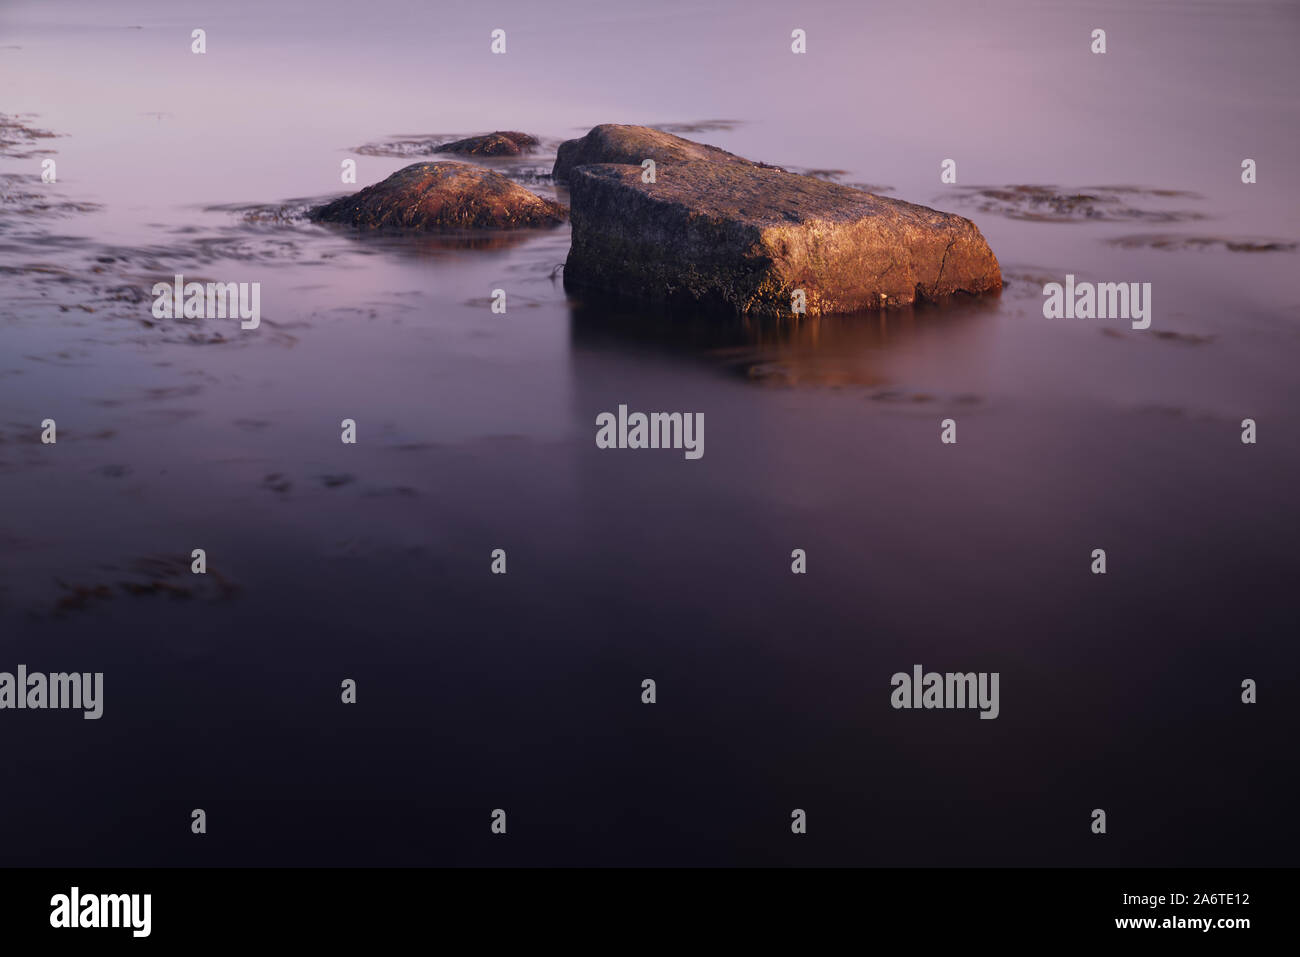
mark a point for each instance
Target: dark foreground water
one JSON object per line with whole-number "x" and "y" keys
{"x": 476, "y": 431}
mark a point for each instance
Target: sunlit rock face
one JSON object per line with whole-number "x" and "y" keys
{"x": 745, "y": 238}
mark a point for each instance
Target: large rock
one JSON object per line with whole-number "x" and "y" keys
{"x": 633, "y": 145}
{"x": 744, "y": 238}
{"x": 439, "y": 195}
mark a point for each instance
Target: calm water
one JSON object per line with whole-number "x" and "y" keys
{"x": 476, "y": 432}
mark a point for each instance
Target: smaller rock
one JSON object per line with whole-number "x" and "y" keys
{"x": 500, "y": 143}
{"x": 442, "y": 195}
{"x": 632, "y": 145}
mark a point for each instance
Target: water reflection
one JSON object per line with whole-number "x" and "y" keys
{"x": 841, "y": 350}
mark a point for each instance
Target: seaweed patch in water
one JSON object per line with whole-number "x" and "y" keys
{"x": 1176, "y": 243}
{"x": 144, "y": 577}
{"x": 1052, "y": 204}
{"x": 18, "y": 140}
{"x": 16, "y": 199}
{"x": 699, "y": 126}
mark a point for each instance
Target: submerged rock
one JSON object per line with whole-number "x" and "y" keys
{"x": 743, "y": 237}
{"x": 632, "y": 145}
{"x": 442, "y": 195}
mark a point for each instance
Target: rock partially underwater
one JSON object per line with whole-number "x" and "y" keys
{"x": 744, "y": 237}
{"x": 612, "y": 143}
{"x": 439, "y": 196}
{"x": 499, "y": 143}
